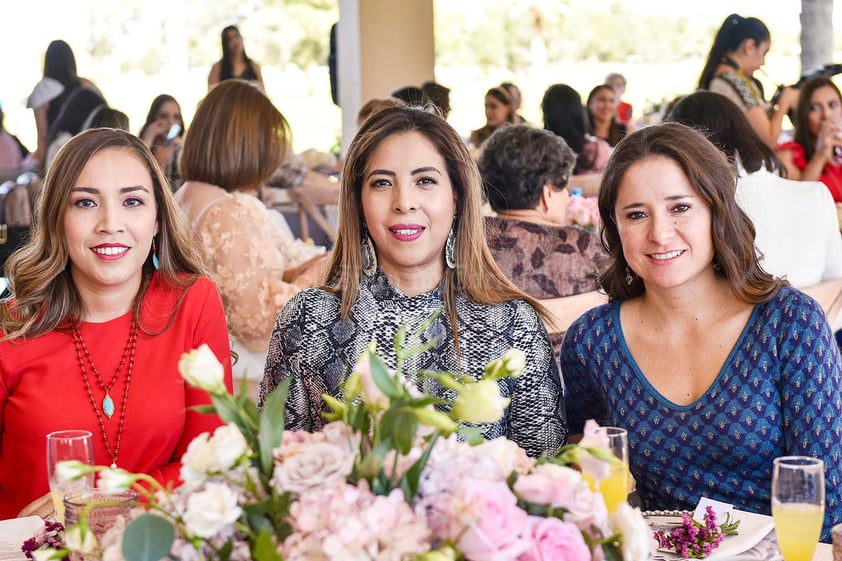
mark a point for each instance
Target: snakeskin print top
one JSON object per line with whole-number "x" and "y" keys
{"x": 313, "y": 346}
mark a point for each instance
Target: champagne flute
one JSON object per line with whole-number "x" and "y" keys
{"x": 615, "y": 487}
{"x": 67, "y": 445}
{"x": 798, "y": 505}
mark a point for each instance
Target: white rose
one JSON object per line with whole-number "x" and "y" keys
{"x": 480, "y": 402}
{"x": 198, "y": 461}
{"x": 114, "y": 480}
{"x": 210, "y": 510}
{"x": 228, "y": 446}
{"x": 630, "y": 523}
{"x": 315, "y": 465}
{"x": 81, "y": 540}
{"x": 200, "y": 368}
{"x": 506, "y": 453}
{"x": 70, "y": 470}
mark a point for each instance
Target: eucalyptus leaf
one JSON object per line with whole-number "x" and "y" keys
{"x": 272, "y": 425}
{"x": 148, "y": 538}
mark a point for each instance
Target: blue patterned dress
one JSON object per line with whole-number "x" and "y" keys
{"x": 777, "y": 394}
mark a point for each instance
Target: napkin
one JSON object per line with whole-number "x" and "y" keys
{"x": 14, "y": 532}
{"x": 752, "y": 530}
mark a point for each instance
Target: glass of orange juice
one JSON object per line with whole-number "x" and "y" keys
{"x": 615, "y": 487}
{"x": 798, "y": 505}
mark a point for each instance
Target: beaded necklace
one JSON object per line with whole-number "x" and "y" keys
{"x": 107, "y": 402}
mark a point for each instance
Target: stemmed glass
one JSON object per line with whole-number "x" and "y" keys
{"x": 615, "y": 487}
{"x": 798, "y": 505}
{"x": 66, "y": 445}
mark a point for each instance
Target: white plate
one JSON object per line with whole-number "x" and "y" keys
{"x": 753, "y": 528}
{"x": 14, "y": 532}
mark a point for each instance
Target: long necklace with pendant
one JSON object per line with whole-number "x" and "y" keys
{"x": 107, "y": 402}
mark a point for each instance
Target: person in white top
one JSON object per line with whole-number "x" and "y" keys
{"x": 797, "y": 227}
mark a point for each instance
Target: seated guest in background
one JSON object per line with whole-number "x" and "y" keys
{"x": 601, "y": 113}
{"x": 499, "y": 112}
{"x": 439, "y": 96}
{"x": 376, "y": 104}
{"x": 237, "y": 140}
{"x": 816, "y": 152}
{"x": 525, "y": 172}
{"x": 75, "y": 116}
{"x": 163, "y": 131}
{"x": 565, "y": 116}
{"x": 12, "y": 151}
{"x": 109, "y": 282}
{"x": 785, "y": 213}
{"x": 411, "y": 95}
{"x": 109, "y": 118}
{"x": 617, "y": 82}
{"x": 713, "y": 365}
{"x": 235, "y": 64}
{"x": 517, "y": 101}
{"x": 411, "y": 243}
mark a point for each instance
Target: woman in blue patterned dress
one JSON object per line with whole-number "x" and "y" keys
{"x": 410, "y": 242}
{"x": 714, "y": 366}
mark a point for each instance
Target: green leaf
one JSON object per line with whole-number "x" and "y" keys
{"x": 400, "y": 337}
{"x": 612, "y": 551}
{"x": 409, "y": 481}
{"x": 387, "y": 383}
{"x": 204, "y": 409}
{"x": 272, "y": 425}
{"x": 403, "y": 428}
{"x": 225, "y": 551}
{"x": 471, "y": 435}
{"x": 263, "y": 548}
{"x": 148, "y": 538}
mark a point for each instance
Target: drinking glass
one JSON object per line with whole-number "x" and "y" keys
{"x": 798, "y": 505}
{"x": 66, "y": 445}
{"x": 615, "y": 487}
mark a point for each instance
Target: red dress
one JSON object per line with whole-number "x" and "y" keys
{"x": 831, "y": 175}
{"x": 42, "y": 390}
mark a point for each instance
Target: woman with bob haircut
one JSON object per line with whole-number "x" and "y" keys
{"x": 410, "y": 243}
{"x": 237, "y": 140}
{"x": 714, "y": 366}
{"x": 107, "y": 295}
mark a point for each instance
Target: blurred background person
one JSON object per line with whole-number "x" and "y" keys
{"x": 517, "y": 101}
{"x": 602, "y": 115}
{"x": 163, "y": 129}
{"x": 524, "y": 172}
{"x": 75, "y": 116}
{"x": 797, "y": 229}
{"x": 438, "y": 95}
{"x": 56, "y": 86}
{"x": 815, "y": 153}
{"x": 410, "y": 95}
{"x": 237, "y": 141}
{"x": 617, "y": 82}
{"x": 235, "y": 63}
{"x": 499, "y": 111}
{"x": 12, "y": 151}
{"x": 738, "y": 50}
{"x": 565, "y": 116}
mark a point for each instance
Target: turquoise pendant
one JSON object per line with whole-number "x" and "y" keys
{"x": 108, "y": 406}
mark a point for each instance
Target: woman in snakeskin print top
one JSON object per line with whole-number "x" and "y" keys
{"x": 411, "y": 242}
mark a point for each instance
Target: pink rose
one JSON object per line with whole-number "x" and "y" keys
{"x": 549, "y": 484}
{"x": 500, "y": 532}
{"x": 554, "y": 540}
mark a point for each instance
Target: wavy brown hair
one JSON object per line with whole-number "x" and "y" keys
{"x": 476, "y": 274}
{"x": 237, "y": 138}
{"x": 713, "y": 179}
{"x": 43, "y": 294}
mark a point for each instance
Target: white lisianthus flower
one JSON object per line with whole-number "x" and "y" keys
{"x": 198, "y": 461}
{"x": 78, "y": 539}
{"x": 593, "y": 455}
{"x": 201, "y": 368}
{"x": 228, "y": 446}
{"x": 372, "y": 394}
{"x": 114, "y": 480}
{"x": 480, "y": 402}
{"x": 508, "y": 455}
{"x": 636, "y": 534}
{"x": 510, "y": 365}
{"x": 210, "y": 510}
{"x": 47, "y": 554}
{"x": 70, "y": 470}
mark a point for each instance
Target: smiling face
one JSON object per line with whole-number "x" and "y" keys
{"x": 109, "y": 223}
{"x": 824, "y": 105}
{"x": 664, "y": 226}
{"x": 408, "y": 202}
{"x": 602, "y": 104}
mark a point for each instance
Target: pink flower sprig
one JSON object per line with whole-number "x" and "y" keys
{"x": 692, "y": 540}
{"x": 52, "y": 537}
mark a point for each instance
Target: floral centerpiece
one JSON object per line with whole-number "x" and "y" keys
{"x": 390, "y": 477}
{"x": 584, "y": 212}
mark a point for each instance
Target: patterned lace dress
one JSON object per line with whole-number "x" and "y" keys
{"x": 317, "y": 350}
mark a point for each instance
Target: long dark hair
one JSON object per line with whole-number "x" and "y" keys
{"x": 60, "y": 65}
{"x": 803, "y": 135}
{"x": 713, "y": 178}
{"x": 153, "y": 113}
{"x": 227, "y": 68}
{"x": 565, "y": 116}
{"x": 727, "y": 126}
{"x": 616, "y": 131}
{"x": 734, "y": 30}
